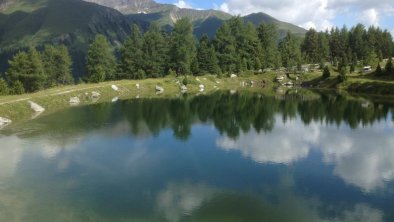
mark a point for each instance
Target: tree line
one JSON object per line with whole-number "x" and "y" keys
{"x": 236, "y": 47}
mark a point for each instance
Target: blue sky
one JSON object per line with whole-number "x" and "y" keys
{"x": 319, "y": 14}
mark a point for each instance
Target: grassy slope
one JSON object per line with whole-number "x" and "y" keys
{"x": 17, "y": 108}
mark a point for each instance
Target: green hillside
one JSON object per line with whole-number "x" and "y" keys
{"x": 259, "y": 18}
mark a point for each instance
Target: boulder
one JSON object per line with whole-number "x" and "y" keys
{"x": 74, "y": 101}
{"x": 233, "y": 76}
{"x": 159, "y": 89}
{"x": 115, "y": 88}
{"x": 35, "y": 107}
{"x": 202, "y": 87}
{"x": 183, "y": 88}
{"x": 115, "y": 99}
{"x": 137, "y": 85}
{"x": 95, "y": 94}
{"x": 4, "y": 121}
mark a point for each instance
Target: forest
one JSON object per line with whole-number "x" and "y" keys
{"x": 237, "y": 47}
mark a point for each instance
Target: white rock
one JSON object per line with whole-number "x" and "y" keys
{"x": 201, "y": 86}
{"x": 115, "y": 99}
{"x": 183, "y": 88}
{"x": 4, "y": 121}
{"x": 95, "y": 94}
{"x": 198, "y": 80}
{"x": 233, "y": 91}
{"x": 159, "y": 89}
{"x": 217, "y": 82}
{"x": 74, "y": 101}
{"x": 137, "y": 85}
{"x": 233, "y": 76}
{"x": 35, "y": 107}
{"x": 205, "y": 79}
{"x": 115, "y": 88}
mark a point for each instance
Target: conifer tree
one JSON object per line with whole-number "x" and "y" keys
{"x": 182, "y": 49}
{"x": 155, "y": 52}
{"x": 57, "y": 65}
{"x": 132, "y": 55}
{"x": 100, "y": 61}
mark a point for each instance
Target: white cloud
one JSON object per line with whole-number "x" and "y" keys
{"x": 180, "y": 199}
{"x": 319, "y": 14}
{"x": 358, "y": 160}
{"x": 370, "y": 17}
{"x": 183, "y": 4}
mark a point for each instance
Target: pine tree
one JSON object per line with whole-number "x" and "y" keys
{"x": 155, "y": 52}
{"x": 310, "y": 46}
{"x": 182, "y": 51}
{"x": 57, "y": 65}
{"x": 379, "y": 70}
{"x": 28, "y": 69}
{"x": 100, "y": 61}
{"x": 206, "y": 57}
{"x": 132, "y": 55}
{"x": 226, "y": 49}
{"x": 290, "y": 51}
{"x": 268, "y": 35}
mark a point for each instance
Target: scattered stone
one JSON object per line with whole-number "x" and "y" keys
{"x": 96, "y": 94}
{"x": 35, "y": 107}
{"x": 217, "y": 82}
{"x": 115, "y": 99}
{"x": 233, "y": 76}
{"x": 74, "y": 101}
{"x": 260, "y": 71}
{"x": 183, "y": 88}
{"x": 115, "y": 88}
{"x": 159, "y": 89}
{"x": 205, "y": 79}
{"x": 232, "y": 92}
{"x": 198, "y": 80}
{"x": 137, "y": 85}
{"x": 202, "y": 87}
{"x": 178, "y": 82}
{"x": 4, "y": 121}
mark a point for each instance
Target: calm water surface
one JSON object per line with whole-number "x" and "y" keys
{"x": 223, "y": 157}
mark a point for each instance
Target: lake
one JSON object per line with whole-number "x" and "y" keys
{"x": 220, "y": 157}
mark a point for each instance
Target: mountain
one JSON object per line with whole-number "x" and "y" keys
{"x": 71, "y": 22}
{"x": 75, "y": 23}
{"x": 205, "y": 21}
{"x": 165, "y": 14}
{"x": 259, "y": 18}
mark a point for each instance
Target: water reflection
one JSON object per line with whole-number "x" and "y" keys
{"x": 223, "y": 157}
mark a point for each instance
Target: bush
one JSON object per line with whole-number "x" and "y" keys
{"x": 17, "y": 88}
{"x": 185, "y": 81}
{"x": 3, "y": 88}
{"x": 140, "y": 74}
{"x": 379, "y": 71}
{"x": 326, "y": 72}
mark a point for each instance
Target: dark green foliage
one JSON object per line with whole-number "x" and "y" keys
{"x": 342, "y": 77}
{"x": 206, "y": 57}
{"x": 57, "y": 65}
{"x": 290, "y": 51}
{"x": 379, "y": 70}
{"x": 3, "y": 87}
{"x": 182, "y": 49}
{"x": 268, "y": 35}
{"x": 28, "y": 69}
{"x": 310, "y": 47}
{"x": 132, "y": 55}
{"x": 185, "y": 81}
{"x": 100, "y": 61}
{"x": 17, "y": 88}
{"x": 155, "y": 52}
{"x": 226, "y": 49}
{"x": 389, "y": 69}
{"x": 326, "y": 72}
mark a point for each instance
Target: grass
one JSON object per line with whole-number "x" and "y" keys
{"x": 17, "y": 108}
